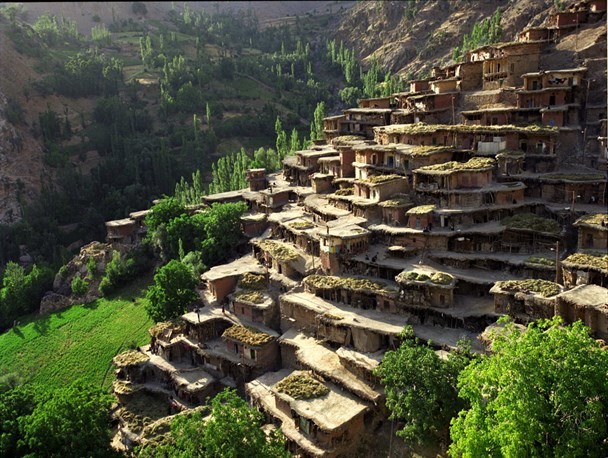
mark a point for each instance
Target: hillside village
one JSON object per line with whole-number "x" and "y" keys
{"x": 480, "y": 192}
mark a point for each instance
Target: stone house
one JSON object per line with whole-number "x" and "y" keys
{"x": 381, "y": 187}
{"x": 257, "y": 179}
{"x": 333, "y": 126}
{"x": 588, "y": 303}
{"x": 393, "y": 210}
{"x": 256, "y": 348}
{"x": 222, "y": 280}
{"x": 592, "y": 232}
{"x": 572, "y": 188}
{"x": 361, "y": 121}
{"x": 424, "y": 290}
{"x": 122, "y": 231}
{"x": 525, "y": 300}
{"x": 327, "y": 423}
{"x": 585, "y": 268}
{"x": 299, "y": 168}
{"x": 341, "y": 241}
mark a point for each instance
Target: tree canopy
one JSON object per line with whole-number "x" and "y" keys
{"x": 72, "y": 421}
{"x": 542, "y": 392}
{"x": 421, "y": 388}
{"x": 171, "y": 293}
{"x": 233, "y": 429}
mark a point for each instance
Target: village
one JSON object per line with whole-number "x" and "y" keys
{"x": 480, "y": 192}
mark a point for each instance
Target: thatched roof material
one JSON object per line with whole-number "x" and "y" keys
{"x": 249, "y": 336}
{"x": 130, "y": 358}
{"x": 542, "y": 288}
{"x": 302, "y": 385}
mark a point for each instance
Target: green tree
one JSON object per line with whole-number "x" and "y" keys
{"x": 316, "y": 126}
{"x": 171, "y": 293}
{"x": 543, "y": 391}
{"x": 421, "y": 388}
{"x": 163, "y": 212}
{"x": 234, "y": 430}
{"x": 70, "y": 422}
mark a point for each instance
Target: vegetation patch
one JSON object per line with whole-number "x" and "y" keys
{"x": 357, "y": 284}
{"x": 279, "y": 251}
{"x": 541, "y": 260}
{"x": 532, "y": 222}
{"x": 77, "y": 342}
{"x": 301, "y": 386}
{"x": 543, "y": 288}
{"x": 250, "y": 336}
{"x": 251, "y": 281}
{"x": 475, "y": 163}
{"x": 345, "y": 192}
{"x": 591, "y": 260}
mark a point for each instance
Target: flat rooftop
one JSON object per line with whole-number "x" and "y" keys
{"x": 237, "y": 267}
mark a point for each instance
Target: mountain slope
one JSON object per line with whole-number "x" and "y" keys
{"x": 410, "y": 38}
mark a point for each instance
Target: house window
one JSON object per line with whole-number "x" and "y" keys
{"x": 304, "y": 425}
{"x": 236, "y": 349}
{"x": 251, "y": 354}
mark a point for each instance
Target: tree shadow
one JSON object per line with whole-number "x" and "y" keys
{"x": 18, "y": 332}
{"x": 41, "y": 326}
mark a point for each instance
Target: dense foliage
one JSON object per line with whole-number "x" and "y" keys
{"x": 70, "y": 421}
{"x": 421, "y": 388}
{"x": 542, "y": 392}
{"x": 21, "y": 291}
{"x": 486, "y": 32}
{"x": 172, "y": 292}
{"x": 233, "y": 429}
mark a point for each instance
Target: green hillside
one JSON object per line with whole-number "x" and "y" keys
{"x": 79, "y": 341}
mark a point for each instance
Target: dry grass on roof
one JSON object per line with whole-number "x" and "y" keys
{"x": 420, "y": 210}
{"x": 254, "y": 297}
{"x": 301, "y": 225}
{"x": 573, "y": 177}
{"x": 130, "y": 358}
{"x": 586, "y": 260}
{"x": 428, "y": 150}
{"x": 301, "y": 386}
{"x": 422, "y": 128}
{"x": 596, "y": 219}
{"x": 252, "y": 281}
{"x": 247, "y": 335}
{"x": 164, "y": 328}
{"x": 381, "y": 178}
{"x": 398, "y": 202}
{"x": 347, "y": 138}
{"x": 543, "y": 288}
{"x": 345, "y": 192}
{"x": 357, "y": 284}
{"x": 510, "y": 153}
{"x": 437, "y": 278}
{"x": 541, "y": 260}
{"x": 532, "y": 222}
{"x": 279, "y": 251}
{"x": 453, "y": 166}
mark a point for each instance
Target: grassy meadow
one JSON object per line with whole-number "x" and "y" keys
{"x": 78, "y": 342}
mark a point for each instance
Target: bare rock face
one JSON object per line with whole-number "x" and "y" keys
{"x": 53, "y": 301}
